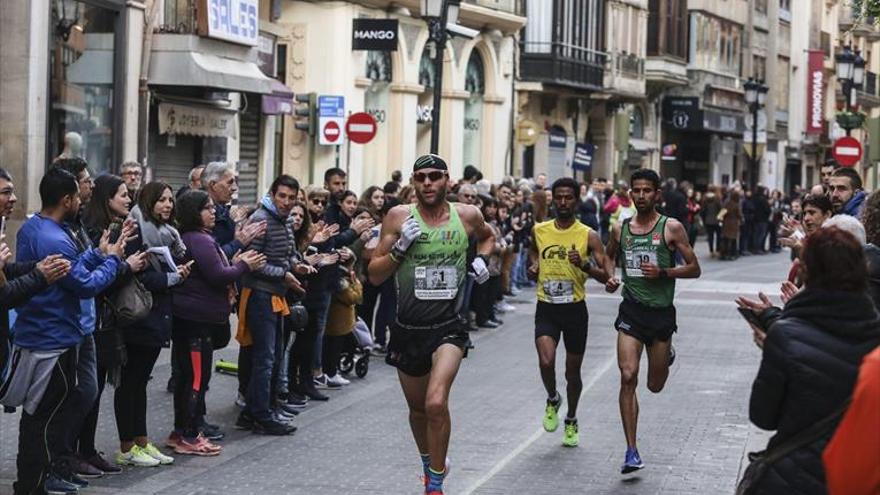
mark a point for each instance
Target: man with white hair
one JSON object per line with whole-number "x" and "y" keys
{"x": 73, "y": 143}
{"x": 219, "y": 181}
{"x": 132, "y": 173}
{"x": 849, "y": 224}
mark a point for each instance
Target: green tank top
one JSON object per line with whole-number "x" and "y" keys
{"x": 650, "y": 248}
{"x": 430, "y": 279}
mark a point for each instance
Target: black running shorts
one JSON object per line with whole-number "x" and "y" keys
{"x": 568, "y": 320}
{"x": 411, "y": 349}
{"x": 645, "y": 322}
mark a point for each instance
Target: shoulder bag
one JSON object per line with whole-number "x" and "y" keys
{"x": 130, "y": 303}
{"x": 763, "y": 460}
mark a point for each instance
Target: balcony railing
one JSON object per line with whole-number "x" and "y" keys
{"x": 563, "y": 64}
{"x": 628, "y": 65}
{"x": 510, "y": 6}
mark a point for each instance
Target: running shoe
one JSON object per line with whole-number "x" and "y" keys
{"x": 136, "y": 457}
{"x": 239, "y": 401}
{"x": 424, "y": 475}
{"x": 106, "y": 467}
{"x": 671, "y": 354}
{"x": 551, "y": 414}
{"x": 84, "y": 469}
{"x": 272, "y": 427}
{"x": 54, "y": 485}
{"x": 297, "y": 400}
{"x": 337, "y": 378}
{"x": 571, "y": 436}
{"x": 244, "y": 422}
{"x": 200, "y": 446}
{"x": 173, "y": 440}
{"x": 212, "y": 432}
{"x": 155, "y": 453}
{"x": 633, "y": 461}
{"x": 75, "y": 480}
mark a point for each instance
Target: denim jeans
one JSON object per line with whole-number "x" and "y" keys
{"x": 319, "y": 312}
{"x": 759, "y": 236}
{"x": 265, "y": 327}
{"x": 85, "y": 391}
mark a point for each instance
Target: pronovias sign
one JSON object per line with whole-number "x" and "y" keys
{"x": 815, "y": 92}
{"x": 374, "y": 34}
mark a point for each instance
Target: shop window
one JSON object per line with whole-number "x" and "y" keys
{"x": 81, "y": 88}
{"x": 379, "y": 72}
{"x": 379, "y": 66}
{"x": 637, "y": 123}
{"x": 475, "y": 84}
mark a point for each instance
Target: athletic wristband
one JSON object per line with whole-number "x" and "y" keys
{"x": 397, "y": 254}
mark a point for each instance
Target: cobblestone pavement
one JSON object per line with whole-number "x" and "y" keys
{"x": 693, "y": 436}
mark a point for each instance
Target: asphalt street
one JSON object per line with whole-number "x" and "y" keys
{"x": 693, "y": 436}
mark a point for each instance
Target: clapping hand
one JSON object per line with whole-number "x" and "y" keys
{"x": 137, "y": 262}
{"x": 788, "y": 291}
{"x": 53, "y": 268}
{"x": 116, "y": 248}
{"x": 304, "y": 268}
{"x": 361, "y": 225}
{"x": 293, "y": 283}
{"x": 323, "y": 233}
{"x": 248, "y": 232}
{"x": 5, "y": 255}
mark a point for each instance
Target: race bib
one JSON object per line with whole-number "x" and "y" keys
{"x": 634, "y": 260}
{"x": 559, "y": 291}
{"x": 436, "y": 283}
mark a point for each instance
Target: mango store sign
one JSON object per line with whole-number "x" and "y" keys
{"x": 236, "y": 21}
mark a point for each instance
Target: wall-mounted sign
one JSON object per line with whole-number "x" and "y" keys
{"x": 527, "y": 132}
{"x": 331, "y": 119}
{"x": 583, "y": 156}
{"x": 230, "y": 20}
{"x": 668, "y": 152}
{"x": 424, "y": 114}
{"x": 374, "y": 34}
{"x": 196, "y": 121}
{"x": 815, "y": 92}
{"x": 682, "y": 113}
{"x": 557, "y": 137}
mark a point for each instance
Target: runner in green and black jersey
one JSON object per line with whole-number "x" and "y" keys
{"x": 644, "y": 247}
{"x": 425, "y": 247}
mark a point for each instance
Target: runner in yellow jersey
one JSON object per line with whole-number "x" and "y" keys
{"x": 560, "y": 261}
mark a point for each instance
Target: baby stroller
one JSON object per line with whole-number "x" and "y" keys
{"x": 356, "y": 355}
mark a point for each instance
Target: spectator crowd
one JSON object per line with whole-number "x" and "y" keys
{"x": 111, "y": 270}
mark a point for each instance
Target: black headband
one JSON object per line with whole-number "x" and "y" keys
{"x": 429, "y": 161}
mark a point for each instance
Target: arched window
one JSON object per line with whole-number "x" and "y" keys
{"x": 378, "y": 66}
{"x": 474, "y": 79}
{"x": 475, "y": 84}
{"x": 427, "y": 74}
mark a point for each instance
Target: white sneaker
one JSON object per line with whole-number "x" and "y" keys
{"x": 338, "y": 379}
{"x": 507, "y": 307}
{"x": 155, "y": 453}
{"x": 135, "y": 457}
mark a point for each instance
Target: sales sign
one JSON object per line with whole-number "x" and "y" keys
{"x": 331, "y": 119}
{"x": 236, "y": 21}
{"x": 374, "y": 34}
{"x": 815, "y": 92}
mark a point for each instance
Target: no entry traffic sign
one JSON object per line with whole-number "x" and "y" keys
{"x": 847, "y": 151}
{"x": 331, "y": 132}
{"x": 361, "y": 128}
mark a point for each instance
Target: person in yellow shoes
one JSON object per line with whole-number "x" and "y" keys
{"x": 560, "y": 261}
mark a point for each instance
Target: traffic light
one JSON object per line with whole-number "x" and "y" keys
{"x": 307, "y": 105}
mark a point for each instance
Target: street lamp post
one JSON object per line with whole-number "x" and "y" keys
{"x": 756, "y": 95}
{"x": 438, "y": 14}
{"x": 851, "y": 74}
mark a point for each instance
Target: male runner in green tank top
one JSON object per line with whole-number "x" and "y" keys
{"x": 425, "y": 247}
{"x": 645, "y": 247}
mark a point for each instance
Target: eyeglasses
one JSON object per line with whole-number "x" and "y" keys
{"x": 322, "y": 202}
{"x": 136, "y": 173}
{"x": 434, "y": 176}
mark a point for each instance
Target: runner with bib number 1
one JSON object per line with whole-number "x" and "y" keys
{"x": 560, "y": 261}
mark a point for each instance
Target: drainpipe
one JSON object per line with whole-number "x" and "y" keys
{"x": 143, "y": 89}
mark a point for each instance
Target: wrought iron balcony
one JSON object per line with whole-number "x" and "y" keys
{"x": 562, "y": 64}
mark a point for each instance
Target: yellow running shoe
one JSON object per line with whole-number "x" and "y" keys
{"x": 571, "y": 436}
{"x": 551, "y": 414}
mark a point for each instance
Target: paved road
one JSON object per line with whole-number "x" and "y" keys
{"x": 692, "y": 436}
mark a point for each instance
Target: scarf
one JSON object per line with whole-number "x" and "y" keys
{"x": 158, "y": 235}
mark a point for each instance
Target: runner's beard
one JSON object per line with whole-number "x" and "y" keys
{"x": 565, "y": 214}
{"x": 439, "y": 196}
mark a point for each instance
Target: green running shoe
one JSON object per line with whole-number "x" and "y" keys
{"x": 571, "y": 436}
{"x": 551, "y": 414}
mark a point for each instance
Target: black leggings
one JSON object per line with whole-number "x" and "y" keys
{"x": 713, "y": 236}
{"x": 194, "y": 356}
{"x": 130, "y": 400}
{"x": 484, "y": 297}
{"x": 333, "y": 347}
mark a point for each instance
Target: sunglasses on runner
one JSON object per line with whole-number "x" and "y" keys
{"x": 434, "y": 176}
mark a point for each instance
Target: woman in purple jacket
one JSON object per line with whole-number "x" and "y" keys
{"x": 201, "y": 308}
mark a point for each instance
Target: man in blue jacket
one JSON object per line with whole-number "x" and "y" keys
{"x": 845, "y": 189}
{"x": 52, "y": 322}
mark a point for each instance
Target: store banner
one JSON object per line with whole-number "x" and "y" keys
{"x": 583, "y": 156}
{"x": 196, "y": 121}
{"x": 815, "y": 92}
{"x": 236, "y": 21}
{"x": 374, "y": 34}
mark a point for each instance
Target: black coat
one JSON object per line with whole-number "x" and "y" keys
{"x": 154, "y": 330}
{"x": 872, "y": 253}
{"x": 809, "y": 367}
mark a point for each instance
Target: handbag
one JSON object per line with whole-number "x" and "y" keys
{"x": 298, "y": 317}
{"x": 763, "y": 460}
{"x": 130, "y": 303}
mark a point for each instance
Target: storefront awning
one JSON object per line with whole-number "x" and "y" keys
{"x": 280, "y": 102}
{"x": 188, "y": 68}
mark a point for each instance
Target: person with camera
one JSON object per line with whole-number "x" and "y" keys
{"x": 201, "y": 308}
{"x": 812, "y": 349}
